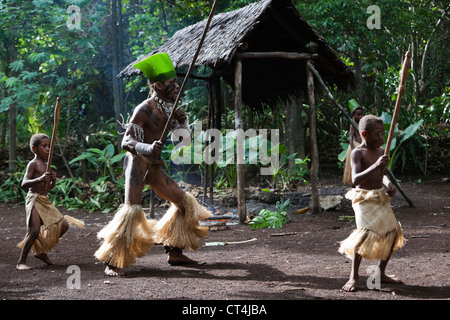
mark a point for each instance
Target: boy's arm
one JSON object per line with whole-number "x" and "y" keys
{"x": 391, "y": 189}
{"x": 358, "y": 175}
{"x": 52, "y": 183}
{"x": 28, "y": 180}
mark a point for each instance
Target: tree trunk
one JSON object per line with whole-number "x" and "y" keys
{"x": 415, "y": 66}
{"x": 12, "y": 137}
{"x": 294, "y": 136}
{"x": 242, "y": 211}
{"x": 359, "y": 76}
{"x": 315, "y": 204}
{"x": 115, "y": 49}
{"x": 12, "y": 116}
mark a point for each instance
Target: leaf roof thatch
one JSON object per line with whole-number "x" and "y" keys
{"x": 265, "y": 26}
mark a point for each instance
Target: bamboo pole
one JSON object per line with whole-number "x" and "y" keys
{"x": 398, "y": 103}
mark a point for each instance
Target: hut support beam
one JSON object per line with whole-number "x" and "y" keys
{"x": 315, "y": 205}
{"x": 277, "y": 54}
{"x": 242, "y": 210}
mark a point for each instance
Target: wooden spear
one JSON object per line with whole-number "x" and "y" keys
{"x": 52, "y": 143}
{"x": 177, "y": 100}
{"x": 401, "y": 90}
{"x": 180, "y": 92}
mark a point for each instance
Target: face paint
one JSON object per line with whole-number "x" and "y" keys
{"x": 169, "y": 89}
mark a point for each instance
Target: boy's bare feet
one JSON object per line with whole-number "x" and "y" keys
{"x": 350, "y": 286}
{"x": 22, "y": 266}
{"x": 44, "y": 257}
{"x": 113, "y": 271}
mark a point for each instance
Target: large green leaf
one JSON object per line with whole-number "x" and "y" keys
{"x": 411, "y": 130}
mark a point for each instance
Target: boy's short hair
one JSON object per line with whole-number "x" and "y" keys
{"x": 36, "y": 139}
{"x": 367, "y": 122}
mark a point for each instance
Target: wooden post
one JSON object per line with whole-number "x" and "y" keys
{"x": 315, "y": 205}
{"x": 242, "y": 211}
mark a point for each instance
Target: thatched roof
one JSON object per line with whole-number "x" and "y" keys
{"x": 265, "y": 26}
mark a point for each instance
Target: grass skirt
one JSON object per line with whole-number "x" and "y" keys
{"x": 377, "y": 228}
{"x": 129, "y": 235}
{"x": 180, "y": 228}
{"x": 52, "y": 220}
{"x": 347, "y": 179}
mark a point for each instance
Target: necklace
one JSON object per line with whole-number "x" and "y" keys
{"x": 167, "y": 109}
{"x": 162, "y": 105}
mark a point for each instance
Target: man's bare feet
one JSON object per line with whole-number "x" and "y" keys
{"x": 177, "y": 258}
{"x": 44, "y": 257}
{"x": 113, "y": 271}
{"x": 22, "y": 266}
{"x": 390, "y": 279}
{"x": 350, "y": 286}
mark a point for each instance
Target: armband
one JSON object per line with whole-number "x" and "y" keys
{"x": 143, "y": 148}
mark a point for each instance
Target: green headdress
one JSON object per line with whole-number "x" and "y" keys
{"x": 157, "y": 67}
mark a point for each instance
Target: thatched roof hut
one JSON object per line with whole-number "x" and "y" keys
{"x": 264, "y": 26}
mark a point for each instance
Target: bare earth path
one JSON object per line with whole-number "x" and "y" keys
{"x": 299, "y": 261}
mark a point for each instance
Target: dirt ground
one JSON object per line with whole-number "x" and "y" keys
{"x": 299, "y": 261}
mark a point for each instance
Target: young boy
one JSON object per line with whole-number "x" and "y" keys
{"x": 378, "y": 233}
{"x": 45, "y": 224}
{"x": 355, "y": 140}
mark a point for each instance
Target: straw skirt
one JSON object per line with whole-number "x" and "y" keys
{"x": 377, "y": 229}
{"x": 52, "y": 221}
{"x": 129, "y": 235}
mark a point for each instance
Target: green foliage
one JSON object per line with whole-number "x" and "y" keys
{"x": 66, "y": 194}
{"x": 285, "y": 177}
{"x": 398, "y": 151}
{"x": 48, "y": 60}
{"x": 102, "y": 160}
{"x": 272, "y": 219}
{"x": 11, "y": 189}
{"x": 40, "y": 59}
{"x": 110, "y": 186}
{"x": 344, "y": 142}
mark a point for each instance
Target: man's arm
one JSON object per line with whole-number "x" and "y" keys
{"x": 133, "y": 140}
